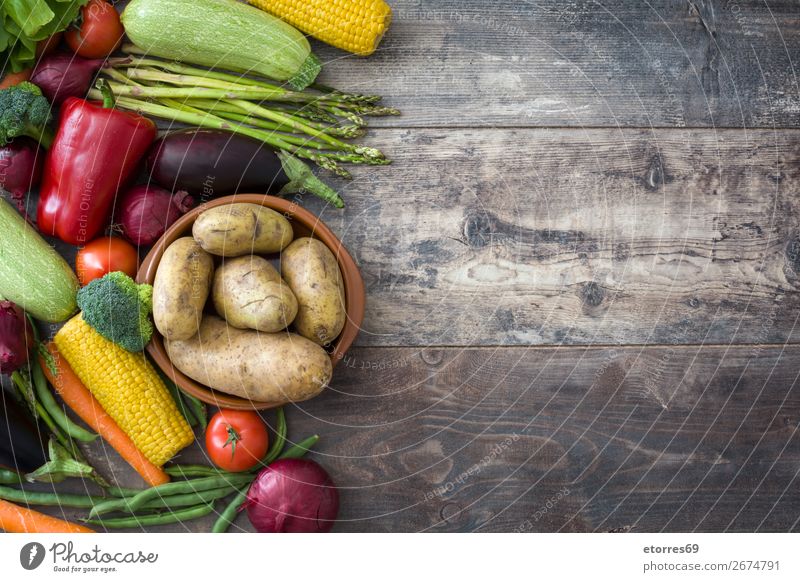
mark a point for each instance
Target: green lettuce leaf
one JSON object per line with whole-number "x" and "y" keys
{"x": 30, "y": 15}
{"x": 22, "y": 27}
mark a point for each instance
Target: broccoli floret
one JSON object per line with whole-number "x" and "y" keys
{"x": 119, "y": 310}
{"x": 24, "y": 111}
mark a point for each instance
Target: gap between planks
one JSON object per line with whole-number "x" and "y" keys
{"x": 499, "y": 127}
{"x": 599, "y": 346}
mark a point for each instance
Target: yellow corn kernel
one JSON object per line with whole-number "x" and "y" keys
{"x": 353, "y": 25}
{"x": 128, "y": 388}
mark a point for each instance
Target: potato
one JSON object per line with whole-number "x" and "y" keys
{"x": 267, "y": 367}
{"x": 249, "y": 293}
{"x": 234, "y": 230}
{"x": 180, "y": 289}
{"x": 313, "y": 275}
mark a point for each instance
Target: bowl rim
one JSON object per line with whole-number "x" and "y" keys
{"x": 355, "y": 294}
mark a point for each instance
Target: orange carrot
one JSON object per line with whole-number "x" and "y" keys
{"x": 16, "y": 519}
{"x": 86, "y": 406}
{"x": 12, "y": 79}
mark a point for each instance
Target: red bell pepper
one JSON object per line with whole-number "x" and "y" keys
{"x": 95, "y": 152}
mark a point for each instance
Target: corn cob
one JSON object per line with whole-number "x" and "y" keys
{"x": 128, "y": 388}
{"x": 353, "y": 25}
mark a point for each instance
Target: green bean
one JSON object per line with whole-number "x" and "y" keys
{"x": 187, "y": 499}
{"x": 45, "y": 396}
{"x": 37, "y": 409}
{"x": 301, "y": 448}
{"x": 43, "y": 498}
{"x": 228, "y": 516}
{"x": 8, "y": 477}
{"x": 136, "y": 502}
{"x": 176, "y": 397}
{"x": 122, "y": 491}
{"x": 154, "y": 518}
{"x": 194, "y": 471}
{"x": 280, "y": 438}
{"x": 198, "y": 409}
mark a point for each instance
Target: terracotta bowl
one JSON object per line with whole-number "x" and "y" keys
{"x": 304, "y": 223}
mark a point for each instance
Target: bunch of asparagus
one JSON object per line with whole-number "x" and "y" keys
{"x": 310, "y": 124}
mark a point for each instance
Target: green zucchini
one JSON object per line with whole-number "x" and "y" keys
{"x": 222, "y": 33}
{"x": 32, "y": 274}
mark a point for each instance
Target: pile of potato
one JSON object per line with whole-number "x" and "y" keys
{"x": 245, "y": 349}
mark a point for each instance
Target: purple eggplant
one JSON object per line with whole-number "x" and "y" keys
{"x": 211, "y": 162}
{"x": 21, "y": 446}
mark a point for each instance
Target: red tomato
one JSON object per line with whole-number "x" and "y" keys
{"x": 105, "y": 255}
{"x": 97, "y": 33}
{"x": 236, "y": 440}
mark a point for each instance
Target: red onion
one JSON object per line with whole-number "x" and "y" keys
{"x": 146, "y": 212}
{"x": 16, "y": 337}
{"x": 64, "y": 75}
{"x": 293, "y": 496}
{"x": 20, "y": 167}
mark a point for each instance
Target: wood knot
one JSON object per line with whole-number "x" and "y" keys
{"x": 656, "y": 177}
{"x": 478, "y": 228}
{"x": 592, "y": 294}
{"x": 451, "y": 512}
{"x": 431, "y": 357}
{"x": 792, "y": 259}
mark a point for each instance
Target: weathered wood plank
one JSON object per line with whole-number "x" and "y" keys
{"x": 542, "y": 236}
{"x": 569, "y": 439}
{"x": 710, "y": 63}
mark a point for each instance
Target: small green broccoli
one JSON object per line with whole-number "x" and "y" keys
{"x": 119, "y": 310}
{"x": 25, "y": 111}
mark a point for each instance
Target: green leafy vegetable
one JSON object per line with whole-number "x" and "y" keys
{"x": 23, "y": 23}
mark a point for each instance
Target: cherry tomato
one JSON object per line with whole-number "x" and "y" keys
{"x": 12, "y": 79}
{"x": 236, "y": 440}
{"x": 97, "y": 33}
{"x": 105, "y": 255}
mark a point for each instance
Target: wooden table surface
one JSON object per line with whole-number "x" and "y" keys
{"x": 582, "y": 272}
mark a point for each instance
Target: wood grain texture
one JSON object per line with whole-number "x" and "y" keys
{"x": 558, "y": 439}
{"x": 532, "y": 203}
{"x": 545, "y": 236}
{"x": 566, "y": 236}
{"x": 578, "y": 63}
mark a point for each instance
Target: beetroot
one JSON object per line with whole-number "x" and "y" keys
{"x": 146, "y": 212}
{"x": 293, "y": 496}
